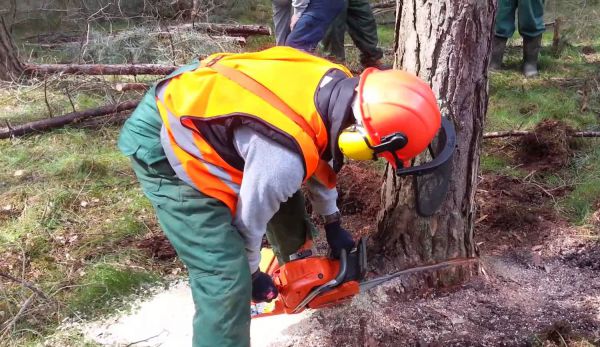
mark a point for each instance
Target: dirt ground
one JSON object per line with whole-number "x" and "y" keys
{"x": 539, "y": 285}
{"x": 539, "y": 282}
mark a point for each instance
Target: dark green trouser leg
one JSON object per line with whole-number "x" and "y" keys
{"x": 505, "y": 18}
{"x": 358, "y": 18}
{"x": 289, "y": 228}
{"x": 199, "y": 227}
{"x": 531, "y": 17}
{"x": 530, "y": 13}
{"x": 362, "y": 28}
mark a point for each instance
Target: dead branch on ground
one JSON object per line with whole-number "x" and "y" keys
{"x": 98, "y": 69}
{"x": 516, "y": 133}
{"x": 26, "y": 284}
{"x": 124, "y": 87}
{"x": 104, "y": 121}
{"x": 384, "y": 4}
{"x": 241, "y": 30}
{"x": 10, "y": 324}
{"x": 69, "y": 118}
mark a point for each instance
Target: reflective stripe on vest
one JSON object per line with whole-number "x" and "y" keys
{"x": 189, "y": 163}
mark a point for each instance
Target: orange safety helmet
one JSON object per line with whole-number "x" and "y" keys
{"x": 398, "y": 117}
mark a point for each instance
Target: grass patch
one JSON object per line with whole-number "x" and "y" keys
{"x": 493, "y": 163}
{"x": 386, "y": 34}
{"x": 104, "y": 285}
{"x": 583, "y": 200}
{"x": 70, "y": 202}
{"x": 561, "y": 92}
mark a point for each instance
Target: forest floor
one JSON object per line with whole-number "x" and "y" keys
{"x": 74, "y": 222}
{"x": 539, "y": 285}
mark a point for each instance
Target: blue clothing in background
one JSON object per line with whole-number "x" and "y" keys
{"x": 313, "y": 24}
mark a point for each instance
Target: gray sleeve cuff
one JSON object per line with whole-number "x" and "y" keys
{"x": 323, "y": 199}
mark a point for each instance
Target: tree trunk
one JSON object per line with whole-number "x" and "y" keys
{"x": 10, "y": 66}
{"x": 447, "y": 43}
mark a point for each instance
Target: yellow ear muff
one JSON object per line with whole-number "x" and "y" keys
{"x": 353, "y": 145}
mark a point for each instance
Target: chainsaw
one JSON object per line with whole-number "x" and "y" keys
{"x": 317, "y": 281}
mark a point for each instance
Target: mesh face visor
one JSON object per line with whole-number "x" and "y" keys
{"x": 433, "y": 176}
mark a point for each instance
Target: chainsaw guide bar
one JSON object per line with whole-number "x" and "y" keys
{"x": 317, "y": 281}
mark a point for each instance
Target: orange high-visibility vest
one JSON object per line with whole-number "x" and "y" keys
{"x": 272, "y": 91}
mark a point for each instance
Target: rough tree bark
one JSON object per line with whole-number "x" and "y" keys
{"x": 447, "y": 43}
{"x": 10, "y": 66}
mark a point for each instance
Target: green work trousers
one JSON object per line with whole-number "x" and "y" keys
{"x": 200, "y": 229}
{"x": 358, "y": 18}
{"x": 530, "y": 17}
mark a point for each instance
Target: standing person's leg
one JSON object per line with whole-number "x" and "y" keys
{"x": 312, "y": 25}
{"x": 505, "y": 18}
{"x": 531, "y": 27}
{"x": 531, "y": 18}
{"x": 289, "y": 228}
{"x": 199, "y": 228}
{"x": 505, "y": 28}
{"x": 362, "y": 28}
{"x": 333, "y": 42}
{"x": 282, "y": 15}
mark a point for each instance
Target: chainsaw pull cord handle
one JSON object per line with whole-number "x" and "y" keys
{"x": 329, "y": 285}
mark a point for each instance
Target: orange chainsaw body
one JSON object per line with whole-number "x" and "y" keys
{"x": 296, "y": 279}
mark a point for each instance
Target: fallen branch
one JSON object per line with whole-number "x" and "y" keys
{"x": 98, "y": 69}
{"x": 10, "y": 324}
{"x": 26, "y": 284}
{"x": 104, "y": 121}
{"x": 384, "y": 4}
{"x": 123, "y": 87}
{"x": 239, "y": 40}
{"x": 73, "y": 117}
{"x": 227, "y": 29}
{"x": 515, "y": 133}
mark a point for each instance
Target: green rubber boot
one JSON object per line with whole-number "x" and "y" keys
{"x": 531, "y": 52}
{"x": 499, "y": 45}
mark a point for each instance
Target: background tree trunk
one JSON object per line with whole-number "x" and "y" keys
{"x": 10, "y": 66}
{"x": 447, "y": 43}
